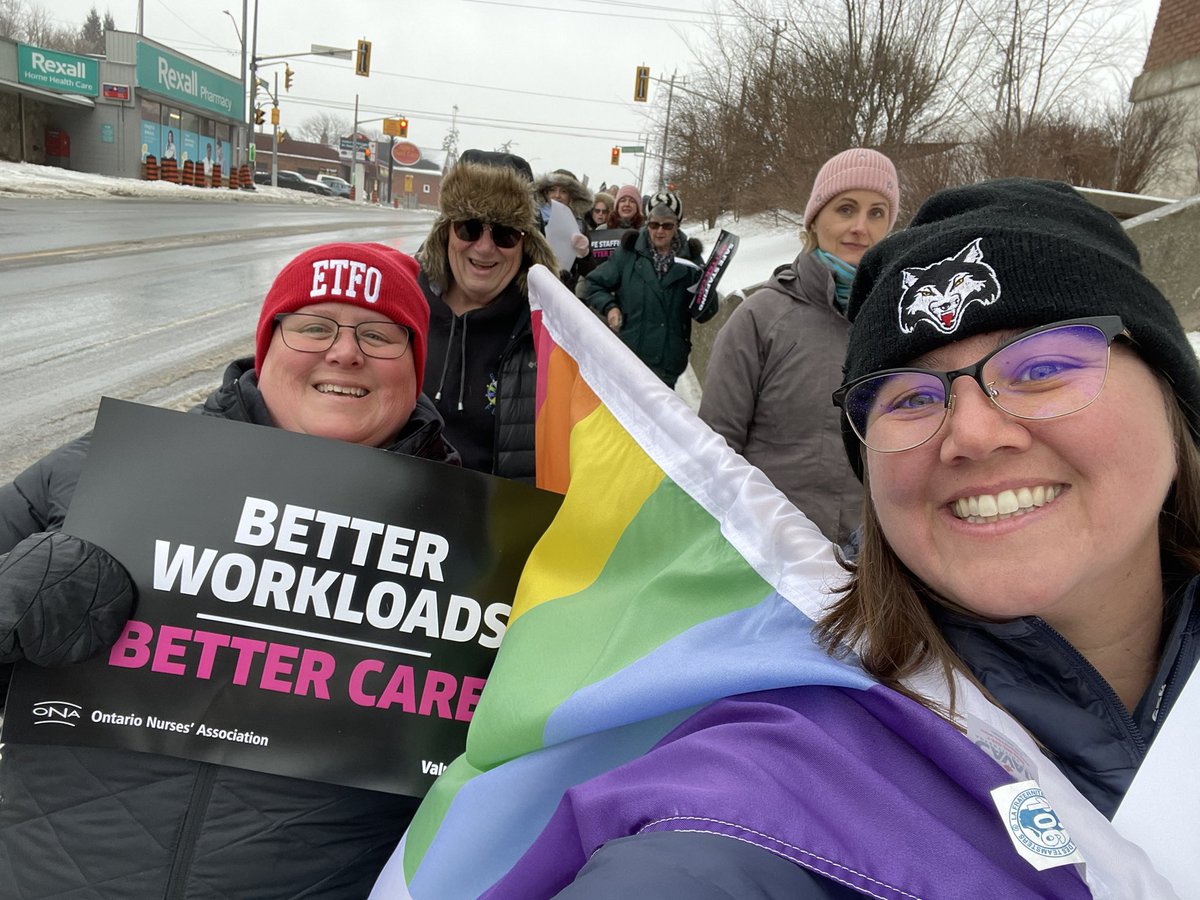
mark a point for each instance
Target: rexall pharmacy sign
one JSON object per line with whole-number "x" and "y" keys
{"x": 62, "y": 72}
{"x": 180, "y": 79}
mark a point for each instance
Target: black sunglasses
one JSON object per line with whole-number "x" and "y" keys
{"x": 503, "y": 236}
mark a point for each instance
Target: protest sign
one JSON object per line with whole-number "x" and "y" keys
{"x": 718, "y": 261}
{"x": 306, "y": 607}
{"x": 605, "y": 242}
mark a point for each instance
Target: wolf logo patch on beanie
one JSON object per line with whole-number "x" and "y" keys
{"x": 939, "y": 294}
{"x": 1058, "y": 256}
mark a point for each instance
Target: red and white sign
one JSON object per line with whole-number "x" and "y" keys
{"x": 114, "y": 91}
{"x": 406, "y": 153}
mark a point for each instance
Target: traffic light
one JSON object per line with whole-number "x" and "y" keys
{"x": 258, "y": 115}
{"x": 403, "y": 128}
{"x": 616, "y": 156}
{"x": 287, "y": 77}
{"x": 274, "y": 115}
{"x": 641, "y": 84}
{"x": 362, "y": 65}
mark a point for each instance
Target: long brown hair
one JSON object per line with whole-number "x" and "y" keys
{"x": 885, "y": 612}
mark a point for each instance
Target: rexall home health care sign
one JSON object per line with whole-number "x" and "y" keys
{"x": 306, "y": 606}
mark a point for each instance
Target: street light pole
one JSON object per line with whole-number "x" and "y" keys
{"x": 242, "y": 42}
{"x": 253, "y": 86}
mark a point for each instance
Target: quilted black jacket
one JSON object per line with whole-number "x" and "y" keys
{"x": 85, "y": 823}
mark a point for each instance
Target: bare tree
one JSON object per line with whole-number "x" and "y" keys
{"x": 1144, "y": 137}
{"x": 323, "y": 128}
{"x": 11, "y": 15}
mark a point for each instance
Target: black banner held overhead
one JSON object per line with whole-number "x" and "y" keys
{"x": 306, "y": 607}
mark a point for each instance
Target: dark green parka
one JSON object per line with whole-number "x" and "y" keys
{"x": 657, "y": 313}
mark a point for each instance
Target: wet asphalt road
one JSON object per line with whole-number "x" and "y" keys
{"x": 142, "y": 300}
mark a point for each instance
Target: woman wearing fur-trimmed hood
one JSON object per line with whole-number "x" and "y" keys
{"x": 480, "y": 368}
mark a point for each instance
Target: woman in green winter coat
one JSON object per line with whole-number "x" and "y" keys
{"x": 645, "y": 292}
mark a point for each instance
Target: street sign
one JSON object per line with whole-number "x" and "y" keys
{"x": 641, "y": 149}
{"x": 334, "y": 52}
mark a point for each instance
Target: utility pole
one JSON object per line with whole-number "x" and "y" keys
{"x": 250, "y": 154}
{"x": 357, "y": 176}
{"x": 275, "y": 135}
{"x": 662, "y": 159}
{"x": 241, "y": 151}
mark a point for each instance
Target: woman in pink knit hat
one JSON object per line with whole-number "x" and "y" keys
{"x": 777, "y": 360}
{"x": 627, "y": 213}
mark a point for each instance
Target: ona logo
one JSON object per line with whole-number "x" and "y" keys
{"x": 1036, "y": 826}
{"x": 55, "y": 712}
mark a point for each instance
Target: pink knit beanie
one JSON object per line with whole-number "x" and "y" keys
{"x": 628, "y": 190}
{"x": 858, "y": 169}
{"x": 373, "y": 276}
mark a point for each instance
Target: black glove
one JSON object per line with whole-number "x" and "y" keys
{"x": 62, "y": 600}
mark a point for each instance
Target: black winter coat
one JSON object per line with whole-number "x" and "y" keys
{"x": 481, "y": 373}
{"x": 92, "y": 823}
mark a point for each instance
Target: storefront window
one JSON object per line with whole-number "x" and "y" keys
{"x": 150, "y": 133}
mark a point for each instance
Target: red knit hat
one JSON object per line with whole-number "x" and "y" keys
{"x": 858, "y": 169}
{"x": 373, "y": 276}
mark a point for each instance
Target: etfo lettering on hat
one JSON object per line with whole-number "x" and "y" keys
{"x": 342, "y": 279}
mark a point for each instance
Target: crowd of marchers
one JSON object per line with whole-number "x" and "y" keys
{"x": 991, "y": 413}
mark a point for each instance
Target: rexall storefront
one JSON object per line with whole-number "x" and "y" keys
{"x": 106, "y": 114}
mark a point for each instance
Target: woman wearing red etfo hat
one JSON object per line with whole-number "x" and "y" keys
{"x": 339, "y": 353}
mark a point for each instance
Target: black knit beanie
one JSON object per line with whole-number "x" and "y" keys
{"x": 1008, "y": 254}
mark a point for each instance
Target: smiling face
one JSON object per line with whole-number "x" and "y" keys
{"x": 339, "y": 393}
{"x": 1082, "y": 549}
{"x": 627, "y": 208}
{"x": 851, "y": 223}
{"x": 481, "y": 270}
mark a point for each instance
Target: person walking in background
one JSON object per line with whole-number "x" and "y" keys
{"x": 331, "y": 362}
{"x": 561, "y": 186}
{"x": 779, "y": 357}
{"x": 602, "y": 204}
{"x": 481, "y": 371}
{"x": 644, "y": 292}
{"x": 627, "y": 212}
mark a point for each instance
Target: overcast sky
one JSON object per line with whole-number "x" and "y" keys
{"x": 553, "y": 76}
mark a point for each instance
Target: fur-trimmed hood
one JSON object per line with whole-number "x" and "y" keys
{"x": 492, "y": 194}
{"x": 581, "y": 197}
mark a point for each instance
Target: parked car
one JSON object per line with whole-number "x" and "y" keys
{"x": 286, "y": 178}
{"x": 339, "y": 186}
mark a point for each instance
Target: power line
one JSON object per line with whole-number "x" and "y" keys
{"x": 480, "y": 87}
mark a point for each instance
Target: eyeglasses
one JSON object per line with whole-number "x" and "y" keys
{"x": 316, "y": 334}
{"x": 600, "y": 210}
{"x": 503, "y": 236}
{"x": 1043, "y": 373}
{"x": 665, "y": 226}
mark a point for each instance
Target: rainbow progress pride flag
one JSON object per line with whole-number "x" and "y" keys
{"x": 675, "y": 576}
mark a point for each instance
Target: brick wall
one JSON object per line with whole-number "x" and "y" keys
{"x": 1176, "y": 34}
